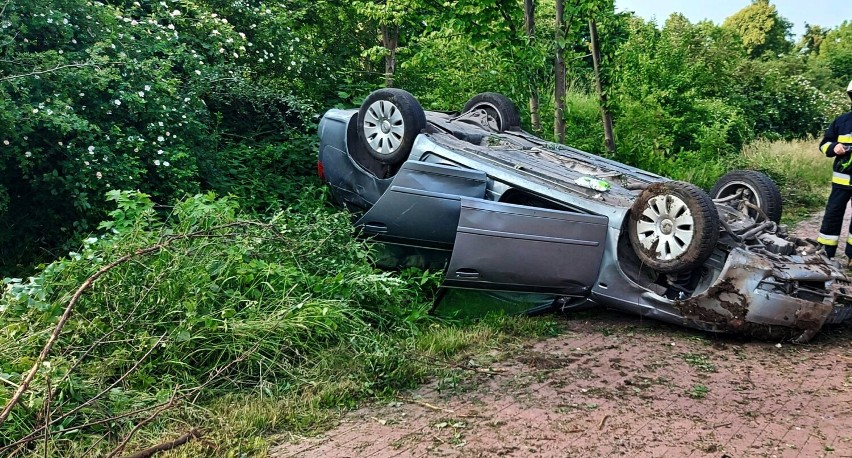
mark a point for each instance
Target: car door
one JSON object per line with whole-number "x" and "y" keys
{"x": 508, "y": 247}
{"x": 422, "y": 205}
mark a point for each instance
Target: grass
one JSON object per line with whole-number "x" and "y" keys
{"x": 701, "y": 362}
{"x": 802, "y": 172}
{"x": 256, "y": 331}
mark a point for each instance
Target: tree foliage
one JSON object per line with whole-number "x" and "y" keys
{"x": 762, "y": 29}
{"x": 175, "y": 97}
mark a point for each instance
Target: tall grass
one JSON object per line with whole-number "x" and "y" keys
{"x": 802, "y": 172}
{"x": 251, "y": 327}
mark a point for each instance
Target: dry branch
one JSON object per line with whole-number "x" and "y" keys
{"x": 54, "y": 336}
{"x": 192, "y": 434}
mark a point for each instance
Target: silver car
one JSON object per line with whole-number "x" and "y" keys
{"x": 500, "y": 209}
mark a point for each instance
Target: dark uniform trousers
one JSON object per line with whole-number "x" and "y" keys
{"x": 829, "y": 232}
{"x": 839, "y": 132}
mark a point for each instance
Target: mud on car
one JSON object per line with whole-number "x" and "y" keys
{"x": 500, "y": 209}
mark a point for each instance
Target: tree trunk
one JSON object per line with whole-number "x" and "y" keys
{"x": 559, "y": 92}
{"x": 596, "y": 61}
{"x": 529, "y": 28}
{"x": 390, "y": 39}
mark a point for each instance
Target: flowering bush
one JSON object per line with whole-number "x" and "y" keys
{"x": 137, "y": 95}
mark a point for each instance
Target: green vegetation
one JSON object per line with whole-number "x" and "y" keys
{"x": 698, "y": 391}
{"x": 799, "y": 172}
{"x": 258, "y": 314}
{"x": 231, "y": 325}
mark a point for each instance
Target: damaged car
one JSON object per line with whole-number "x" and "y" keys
{"x": 500, "y": 209}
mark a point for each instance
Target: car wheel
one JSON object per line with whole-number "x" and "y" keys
{"x": 673, "y": 226}
{"x": 498, "y": 107}
{"x": 753, "y": 187}
{"x": 389, "y": 120}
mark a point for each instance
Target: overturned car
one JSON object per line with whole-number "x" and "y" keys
{"x": 500, "y": 209}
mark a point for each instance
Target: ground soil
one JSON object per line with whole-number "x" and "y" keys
{"x": 616, "y": 385}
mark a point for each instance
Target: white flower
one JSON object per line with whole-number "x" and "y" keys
{"x": 166, "y": 163}
{"x": 176, "y": 13}
{"x": 74, "y": 41}
{"x": 236, "y": 55}
{"x": 6, "y": 142}
{"x": 86, "y": 162}
{"x": 221, "y": 50}
{"x": 161, "y": 139}
{"x": 171, "y": 26}
{"x": 159, "y": 151}
{"x": 99, "y": 175}
{"x": 35, "y": 110}
{"x": 117, "y": 102}
{"x": 61, "y": 144}
{"x": 28, "y": 154}
{"x": 82, "y": 94}
{"x": 186, "y": 99}
{"x": 141, "y": 93}
{"x": 134, "y": 22}
{"x": 147, "y": 88}
{"x": 160, "y": 123}
{"x": 156, "y": 162}
{"x": 65, "y": 21}
{"x": 91, "y": 149}
{"x": 198, "y": 72}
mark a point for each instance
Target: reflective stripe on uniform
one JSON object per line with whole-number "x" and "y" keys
{"x": 849, "y": 240}
{"x": 844, "y": 138}
{"x": 824, "y": 147}
{"x": 840, "y": 178}
{"x": 831, "y": 240}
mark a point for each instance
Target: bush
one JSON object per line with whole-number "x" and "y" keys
{"x": 225, "y": 305}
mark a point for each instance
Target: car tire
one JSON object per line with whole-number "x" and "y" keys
{"x": 763, "y": 192}
{"x": 497, "y": 106}
{"x": 673, "y": 226}
{"x": 388, "y": 122}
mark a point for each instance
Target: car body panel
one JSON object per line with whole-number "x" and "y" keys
{"x": 516, "y": 248}
{"x": 422, "y": 206}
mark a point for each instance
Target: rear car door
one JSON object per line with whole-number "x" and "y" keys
{"x": 508, "y": 247}
{"x": 421, "y": 207}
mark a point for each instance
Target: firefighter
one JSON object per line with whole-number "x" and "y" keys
{"x": 837, "y": 143}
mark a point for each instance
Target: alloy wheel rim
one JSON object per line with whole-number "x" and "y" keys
{"x": 666, "y": 227}
{"x": 384, "y": 127}
{"x": 752, "y": 195}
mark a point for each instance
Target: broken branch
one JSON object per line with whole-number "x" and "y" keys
{"x": 192, "y": 434}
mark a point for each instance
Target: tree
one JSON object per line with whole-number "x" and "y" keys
{"x": 812, "y": 39}
{"x": 762, "y": 29}
{"x": 835, "y": 53}
{"x": 529, "y": 29}
{"x": 559, "y": 74}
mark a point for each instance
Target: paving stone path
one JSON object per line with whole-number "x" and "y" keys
{"x": 616, "y": 385}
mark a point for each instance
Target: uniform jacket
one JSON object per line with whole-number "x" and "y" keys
{"x": 840, "y": 131}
